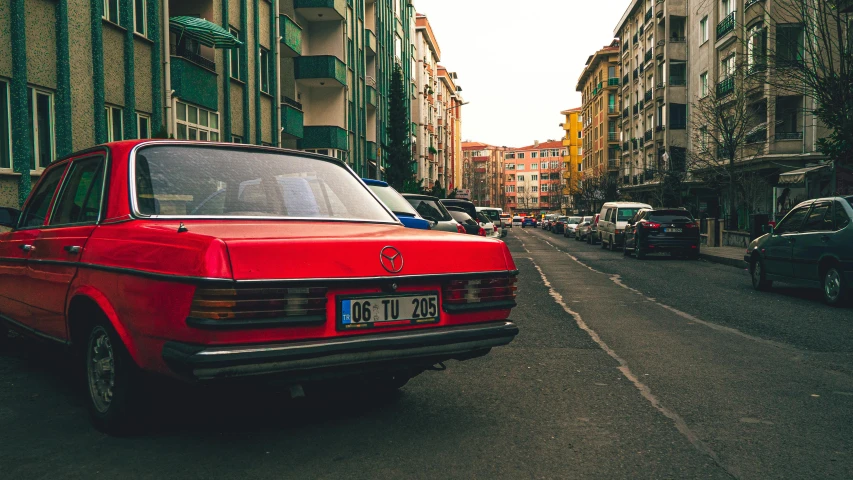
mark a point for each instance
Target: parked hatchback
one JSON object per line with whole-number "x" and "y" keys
{"x": 471, "y": 225}
{"x": 811, "y": 246}
{"x": 665, "y": 230}
{"x": 431, "y": 209}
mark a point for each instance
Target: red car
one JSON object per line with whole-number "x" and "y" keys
{"x": 207, "y": 261}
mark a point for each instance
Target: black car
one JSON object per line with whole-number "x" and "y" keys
{"x": 662, "y": 230}
{"x": 466, "y": 206}
{"x": 472, "y": 227}
{"x": 812, "y": 246}
{"x": 558, "y": 225}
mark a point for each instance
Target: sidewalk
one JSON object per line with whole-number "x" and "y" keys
{"x": 732, "y": 256}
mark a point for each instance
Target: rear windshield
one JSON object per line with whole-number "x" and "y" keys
{"x": 430, "y": 209}
{"x": 195, "y": 180}
{"x": 575, "y": 220}
{"x": 481, "y": 216}
{"x": 625, "y": 214}
{"x": 393, "y": 200}
{"x": 462, "y": 217}
{"x": 670, "y": 216}
{"x": 492, "y": 214}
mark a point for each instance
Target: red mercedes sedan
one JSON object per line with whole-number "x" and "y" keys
{"x": 207, "y": 261}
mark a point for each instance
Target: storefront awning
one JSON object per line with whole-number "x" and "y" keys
{"x": 797, "y": 176}
{"x": 204, "y": 32}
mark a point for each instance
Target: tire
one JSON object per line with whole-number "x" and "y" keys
{"x": 611, "y": 244}
{"x": 603, "y": 246}
{"x": 625, "y": 250}
{"x": 834, "y": 287}
{"x": 638, "y": 254}
{"x": 759, "y": 275}
{"x": 118, "y": 378}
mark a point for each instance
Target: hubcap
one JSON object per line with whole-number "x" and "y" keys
{"x": 832, "y": 284}
{"x": 100, "y": 369}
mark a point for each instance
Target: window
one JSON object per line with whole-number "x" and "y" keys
{"x": 703, "y": 29}
{"x": 111, "y": 10}
{"x": 792, "y": 221}
{"x": 265, "y": 70}
{"x": 520, "y": 166}
{"x": 544, "y": 166}
{"x": 40, "y": 109}
{"x": 756, "y": 48}
{"x": 789, "y": 43}
{"x": 703, "y": 138}
{"x": 534, "y": 166}
{"x": 840, "y": 216}
{"x": 398, "y": 47}
{"x": 236, "y": 139}
{"x": 728, "y": 7}
{"x": 234, "y": 54}
{"x": 194, "y": 123}
{"x": 520, "y": 189}
{"x": 140, "y": 24}
{"x": 115, "y": 129}
{"x": 534, "y": 178}
{"x": 143, "y": 126}
{"x": 80, "y": 197}
{"x": 36, "y": 210}
{"x": 521, "y": 178}
{"x": 555, "y": 165}
{"x": 534, "y": 189}
{"x": 703, "y": 84}
{"x": 727, "y": 66}
{"x": 5, "y": 127}
{"x": 510, "y": 166}
{"x": 819, "y": 219}
{"x": 534, "y": 154}
{"x": 521, "y": 157}
{"x": 510, "y": 188}
{"x": 510, "y": 155}
{"x": 545, "y": 188}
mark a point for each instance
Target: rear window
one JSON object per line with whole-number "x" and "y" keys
{"x": 430, "y": 209}
{"x": 575, "y": 220}
{"x": 492, "y": 214}
{"x": 462, "y": 217}
{"x": 669, "y": 216}
{"x": 187, "y": 181}
{"x": 393, "y": 200}
{"x": 625, "y": 214}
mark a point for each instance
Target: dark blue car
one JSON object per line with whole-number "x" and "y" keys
{"x": 397, "y": 204}
{"x": 528, "y": 222}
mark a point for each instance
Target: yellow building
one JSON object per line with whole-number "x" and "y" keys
{"x": 573, "y": 158}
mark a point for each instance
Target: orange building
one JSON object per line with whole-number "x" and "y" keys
{"x": 533, "y": 177}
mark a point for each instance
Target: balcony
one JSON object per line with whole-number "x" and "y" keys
{"x": 642, "y": 67}
{"x": 626, "y": 146}
{"x": 649, "y": 14}
{"x": 660, "y": 128}
{"x": 612, "y": 136}
{"x": 194, "y": 83}
{"x": 648, "y": 136}
{"x": 726, "y": 25}
{"x": 636, "y": 39}
{"x": 642, "y": 105}
{"x": 371, "y": 96}
{"x": 613, "y": 82}
{"x": 291, "y": 37}
{"x": 758, "y": 136}
{"x": 756, "y": 68}
{"x": 678, "y": 39}
{"x": 726, "y": 87}
{"x": 750, "y": 3}
{"x": 648, "y": 56}
{"x": 370, "y": 150}
{"x": 182, "y": 51}
{"x": 626, "y": 79}
{"x": 636, "y": 74}
{"x": 370, "y": 42}
{"x": 659, "y": 48}
{"x": 292, "y": 118}
{"x": 626, "y": 112}
{"x": 635, "y": 143}
{"x": 678, "y": 124}
{"x": 612, "y": 110}
{"x": 320, "y": 70}
{"x": 637, "y": 109}
{"x": 321, "y": 10}
{"x": 612, "y": 164}
{"x": 648, "y": 96}
{"x": 325, "y": 136}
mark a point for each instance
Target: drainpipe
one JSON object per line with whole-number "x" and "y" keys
{"x": 167, "y": 71}
{"x": 277, "y": 106}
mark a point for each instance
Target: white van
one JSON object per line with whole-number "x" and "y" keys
{"x": 494, "y": 215}
{"x": 612, "y": 221}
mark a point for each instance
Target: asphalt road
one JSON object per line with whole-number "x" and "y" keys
{"x": 623, "y": 369}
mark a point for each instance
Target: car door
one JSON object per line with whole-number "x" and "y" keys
{"x": 811, "y": 242}
{"x": 779, "y": 246}
{"x": 631, "y": 229}
{"x": 17, "y": 300}
{"x": 59, "y": 245}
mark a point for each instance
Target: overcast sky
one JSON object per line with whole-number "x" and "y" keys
{"x": 519, "y": 62}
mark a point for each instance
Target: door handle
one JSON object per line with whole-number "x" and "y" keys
{"x": 72, "y": 248}
{"x": 27, "y": 248}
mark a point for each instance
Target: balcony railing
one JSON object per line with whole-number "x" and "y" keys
{"x": 626, "y": 79}
{"x": 612, "y": 137}
{"x": 660, "y": 128}
{"x": 642, "y": 104}
{"x": 289, "y": 101}
{"x": 611, "y": 110}
{"x": 636, "y": 74}
{"x": 789, "y": 135}
{"x": 635, "y": 143}
{"x": 183, "y": 52}
{"x": 649, "y": 14}
{"x": 613, "y": 82}
{"x": 677, "y": 81}
{"x": 750, "y": 3}
{"x": 642, "y": 67}
{"x": 626, "y": 145}
{"x": 726, "y": 87}
{"x": 648, "y": 56}
{"x": 677, "y": 39}
{"x": 636, "y": 38}
{"x": 627, "y": 112}
{"x": 726, "y": 25}
{"x": 648, "y": 136}
{"x": 648, "y": 96}
{"x": 637, "y": 109}
{"x": 660, "y": 86}
{"x": 612, "y": 163}
{"x": 758, "y": 136}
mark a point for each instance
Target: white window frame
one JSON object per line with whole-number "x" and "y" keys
{"x": 231, "y": 55}
{"x": 34, "y": 92}
{"x": 520, "y": 178}
{"x": 136, "y": 15}
{"x": 534, "y": 178}
{"x": 107, "y": 10}
{"x": 108, "y": 111}
{"x": 534, "y": 166}
{"x": 703, "y": 84}
{"x": 543, "y": 187}
{"x": 4, "y": 88}
{"x": 212, "y": 133}
{"x": 703, "y": 30}
{"x": 140, "y": 119}
{"x": 544, "y": 166}
{"x": 534, "y": 154}
{"x": 264, "y": 61}
{"x": 521, "y": 155}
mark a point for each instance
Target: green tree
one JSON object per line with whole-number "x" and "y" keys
{"x": 399, "y": 170}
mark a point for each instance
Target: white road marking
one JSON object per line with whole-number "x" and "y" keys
{"x": 644, "y": 390}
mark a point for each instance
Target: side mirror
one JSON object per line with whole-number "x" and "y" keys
{"x": 9, "y": 217}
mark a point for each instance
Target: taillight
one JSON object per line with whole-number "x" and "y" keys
{"x": 691, "y": 225}
{"x": 478, "y": 291}
{"x": 460, "y": 228}
{"x": 481, "y": 232}
{"x": 257, "y": 303}
{"x": 650, "y": 225}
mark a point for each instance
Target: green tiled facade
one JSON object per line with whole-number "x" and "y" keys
{"x": 325, "y": 137}
{"x": 292, "y": 121}
{"x": 194, "y": 83}
{"x": 321, "y": 67}
{"x": 291, "y": 36}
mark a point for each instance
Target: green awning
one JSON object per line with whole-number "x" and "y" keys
{"x": 206, "y": 33}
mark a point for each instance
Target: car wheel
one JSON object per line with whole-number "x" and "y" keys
{"x": 759, "y": 275}
{"x": 638, "y": 254}
{"x": 603, "y": 245}
{"x": 611, "y": 244}
{"x": 625, "y": 250}
{"x": 113, "y": 391}
{"x": 834, "y": 287}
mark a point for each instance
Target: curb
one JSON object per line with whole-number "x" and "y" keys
{"x": 732, "y": 262}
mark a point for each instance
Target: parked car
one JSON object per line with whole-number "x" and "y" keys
{"x": 559, "y": 225}
{"x": 485, "y": 222}
{"x": 285, "y": 275}
{"x": 506, "y": 220}
{"x": 548, "y": 221}
{"x": 592, "y": 230}
{"x": 811, "y": 246}
{"x": 494, "y": 215}
{"x": 466, "y": 205}
{"x": 392, "y": 199}
{"x": 613, "y": 218}
{"x": 431, "y": 209}
{"x": 581, "y": 232}
{"x": 528, "y": 222}
{"x": 471, "y": 225}
{"x": 517, "y": 221}
{"x": 570, "y": 226}
{"x": 662, "y": 230}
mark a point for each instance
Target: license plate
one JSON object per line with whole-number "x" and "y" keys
{"x": 369, "y": 311}
{"x": 672, "y": 230}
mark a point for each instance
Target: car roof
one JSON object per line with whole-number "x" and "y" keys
{"x": 419, "y": 195}
{"x": 457, "y": 200}
{"x": 377, "y": 183}
{"x": 626, "y": 204}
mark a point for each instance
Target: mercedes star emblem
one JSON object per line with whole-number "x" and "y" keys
{"x": 391, "y": 259}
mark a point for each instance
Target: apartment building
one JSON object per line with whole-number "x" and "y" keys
{"x": 728, "y": 45}
{"x": 308, "y": 74}
{"x": 572, "y": 156}
{"x": 654, "y": 90}
{"x": 533, "y": 177}
{"x": 449, "y": 130}
{"x": 599, "y": 84}
{"x": 482, "y": 173}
